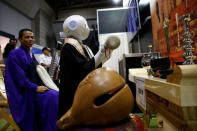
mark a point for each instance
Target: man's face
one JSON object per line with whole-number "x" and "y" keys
{"x": 46, "y": 52}
{"x": 27, "y": 39}
{"x": 14, "y": 42}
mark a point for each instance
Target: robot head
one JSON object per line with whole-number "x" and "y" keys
{"x": 76, "y": 26}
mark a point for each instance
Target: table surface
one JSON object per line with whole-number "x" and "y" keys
{"x": 184, "y": 96}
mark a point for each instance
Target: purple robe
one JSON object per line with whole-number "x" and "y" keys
{"x": 32, "y": 111}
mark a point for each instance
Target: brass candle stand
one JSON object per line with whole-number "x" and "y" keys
{"x": 187, "y": 41}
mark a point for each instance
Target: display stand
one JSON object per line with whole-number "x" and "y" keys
{"x": 173, "y": 99}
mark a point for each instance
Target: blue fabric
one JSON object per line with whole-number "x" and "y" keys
{"x": 36, "y": 50}
{"x": 133, "y": 20}
{"x": 32, "y": 111}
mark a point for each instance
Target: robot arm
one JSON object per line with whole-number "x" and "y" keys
{"x": 106, "y": 50}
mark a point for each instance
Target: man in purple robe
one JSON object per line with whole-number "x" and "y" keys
{"x": 33, "y": 107}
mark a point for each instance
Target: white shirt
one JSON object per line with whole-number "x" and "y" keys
{"x": 45, "y": 59}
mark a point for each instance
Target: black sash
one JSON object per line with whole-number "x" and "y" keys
{"x": 32, "y": 73}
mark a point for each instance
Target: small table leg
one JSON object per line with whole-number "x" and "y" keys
{"x": 147, "y": 116}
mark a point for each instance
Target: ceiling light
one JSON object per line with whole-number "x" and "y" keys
{"x": 116, "y": 1}
{"x": 144, "y": 2}
{"x": 125, "y": 3}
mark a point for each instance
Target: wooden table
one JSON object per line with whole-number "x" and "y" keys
{"x": 176, "y": 102}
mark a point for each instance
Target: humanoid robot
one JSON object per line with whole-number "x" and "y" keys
{"x": 77, "y": 59}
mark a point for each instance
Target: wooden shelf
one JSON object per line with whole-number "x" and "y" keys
{"x": 174, "y": 98}
{"x": 182, "y": 95}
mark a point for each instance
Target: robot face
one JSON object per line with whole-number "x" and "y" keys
{"x": 76, "y": 26}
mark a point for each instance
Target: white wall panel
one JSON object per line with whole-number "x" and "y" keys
{"x": 30, "y": 7}
{"x": 12, "y": 21}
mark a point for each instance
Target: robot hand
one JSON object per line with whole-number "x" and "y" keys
{"x": 106, "y": 49}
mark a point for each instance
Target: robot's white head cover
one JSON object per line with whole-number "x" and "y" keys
{"x": 76, "y": 26}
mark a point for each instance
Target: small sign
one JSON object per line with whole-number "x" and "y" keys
{"x": 140, "y": 92}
